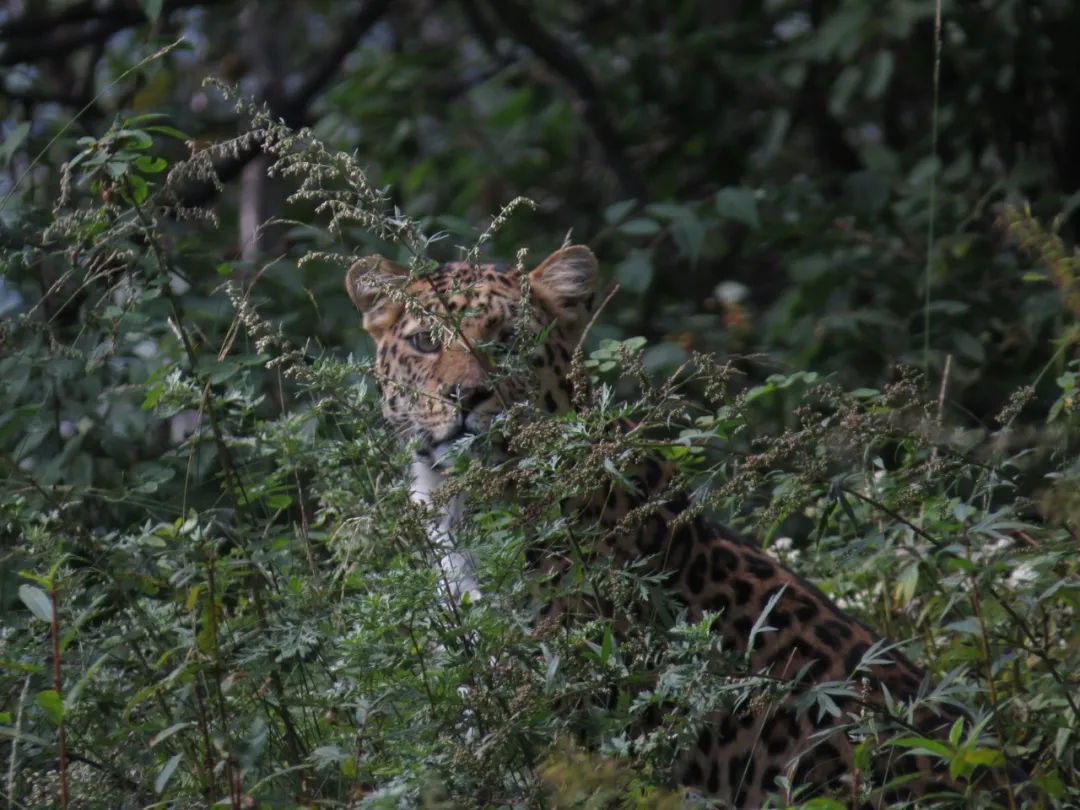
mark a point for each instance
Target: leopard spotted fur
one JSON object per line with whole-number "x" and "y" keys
{"x": 434, "y": 391}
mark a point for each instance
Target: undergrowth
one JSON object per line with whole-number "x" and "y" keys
{"x": 215, "y": 592}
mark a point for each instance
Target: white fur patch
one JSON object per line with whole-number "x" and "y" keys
{"x": 458, "y": 567}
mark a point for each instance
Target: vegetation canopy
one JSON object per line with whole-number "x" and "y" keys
{"x": 824, "y": 301}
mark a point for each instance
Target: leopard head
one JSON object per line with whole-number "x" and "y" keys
{"x": 440, "y": 337}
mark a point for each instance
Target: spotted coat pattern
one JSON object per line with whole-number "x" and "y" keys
{"x": 436, "y": 393}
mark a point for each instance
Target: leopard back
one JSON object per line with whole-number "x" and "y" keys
{"x": 438, "y": 385}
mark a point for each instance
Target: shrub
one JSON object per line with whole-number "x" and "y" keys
{"x": 215, "y": 590}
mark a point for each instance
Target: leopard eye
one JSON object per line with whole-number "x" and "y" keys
{"x": 423, "y": 343}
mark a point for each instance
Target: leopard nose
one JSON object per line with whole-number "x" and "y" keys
{"x": 468, "y": 397}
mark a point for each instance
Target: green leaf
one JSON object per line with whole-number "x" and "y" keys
{"x": 635, "y": 272}
{"x": 907, "y": 583}
{"x": 142, "y": 119}
{"x": 846, "y": 506}
{"x": 152, "y": 396}
{"x": 116, "y": 169}
{"x": 760, "y": 625}
{"x": 841, "y": 31}
{"x": 865, "y": 393}
{"x": 923, "y": 172}
{"x": 987, "y": 757}
{"x": 668, "y": 211}
{"x": 139, "y": 697}
{"x": 663, "y": 356}
{"x": 163, "y": 735}
{"x": 969, "y": 626}
{"x": 947, "y": 306}
{"x": 823, "y": 804}
{"x": 73, "y": 695}
{"x": 881, "y": 71}
{"x": 22, "y": 736}
{"x": 166, "y": 773}
{"x": 279, "y": 501}
{"x": 192, "y": 597}
{"x": 551, "y": 673}
{"x": 843, "y": 89}
{"x": 248, "y": 751}
{"x": 738, "y": 204}
{"x": 82, "y": 471}
{"x": 921, "y": 745}
{"x": 21, "y": 666}
{"x": 139, "y": 188}
{"x": 955, "y": 732}
{"x": 970, "y": 346}
{"x": 640, "y": 227}
{"x": 867, "y": 192}
{"x": 152, "y": 9}
{"x": 13, "y": 142}
{"x": 37, "y": 601}
{"x": 150, "y": 164}
{"x": 615, "y": 212}
{"x": 607, "y": 646}
{"x": 689, "y": 235}
{"x": 51, "y": 703}
{"x": 170, "y": 131}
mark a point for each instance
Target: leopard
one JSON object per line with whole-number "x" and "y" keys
{"x": 436, "y": 389}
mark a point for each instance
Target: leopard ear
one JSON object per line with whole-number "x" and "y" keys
{"x": 364, "y": 283}
{"x": 566, "y": 280}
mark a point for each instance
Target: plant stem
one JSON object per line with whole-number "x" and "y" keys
{"x": 984, "y": 642}
{"x": 15, "y": 743}
{"x": 58, "y": 684}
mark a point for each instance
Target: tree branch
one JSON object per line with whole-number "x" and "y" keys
{"x": 36, "y": 38}
{"x": 517, "y": 19}
{"x": 38, "y": 95}
{"x": 31, "y": 39}
{"x": 294, "y": 109}
{"x": 61, "y": 44}
{"x": 353, "y": 30}
{"x": 117, "y": 776}
{"x": 33, "y": 26}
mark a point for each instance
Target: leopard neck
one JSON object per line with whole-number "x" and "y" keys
{"x": 458, "y": 567}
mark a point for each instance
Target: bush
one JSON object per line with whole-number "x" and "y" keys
{"x": 215, "y": 590}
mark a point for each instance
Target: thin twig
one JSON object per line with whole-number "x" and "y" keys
{"x": 58, "y": 685}
{"x": 940, "y": 412}
{"x": 894, "y": 515}
{"x": 609, "y": 293}
{"x": 15, "y": 742}
{"x": 928, "y": 276}
{"x": 988, "y": 661}
{"x": 944, "y": 388}
{"x": 208, "y": 749}
{"x": 577, "y": 367}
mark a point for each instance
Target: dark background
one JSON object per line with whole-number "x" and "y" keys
{"x": 806, "y": 188}
{"x": 781, "y": 155}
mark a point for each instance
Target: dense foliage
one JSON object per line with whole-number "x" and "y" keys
{"x": 212, "y": 587}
